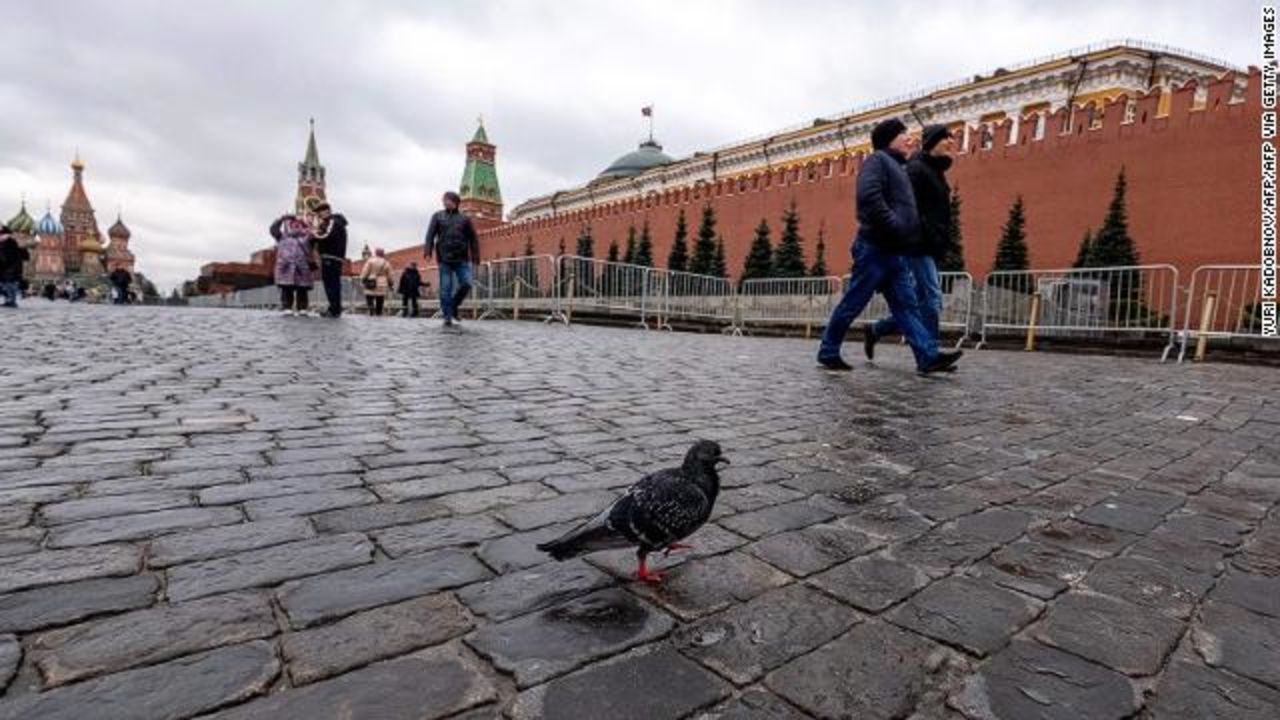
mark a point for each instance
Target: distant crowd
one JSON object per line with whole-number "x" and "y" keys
{"x": 14, "y": 285}
{"x": 305, "y": 247}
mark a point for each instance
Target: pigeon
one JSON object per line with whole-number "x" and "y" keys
{"x": 654, "y": 514}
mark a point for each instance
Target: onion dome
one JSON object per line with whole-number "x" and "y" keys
{"x": 648, "y": 156}
{"x": 90, "y": 243}
{"x": 49, "y": 225}
{"x": 22, "y": 223}
{"x": 119, "y": 230}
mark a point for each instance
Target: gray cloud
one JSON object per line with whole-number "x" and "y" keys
{"x": 193, "y": 117}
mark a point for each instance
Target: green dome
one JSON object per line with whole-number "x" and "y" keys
{"x": 648, "y": 156}
{"x": 22, "y": 223}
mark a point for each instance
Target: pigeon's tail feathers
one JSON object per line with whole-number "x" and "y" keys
{"x": 593, "y": 536}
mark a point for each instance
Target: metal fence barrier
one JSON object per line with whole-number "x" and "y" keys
{"x": 528, "y": 284}
{"x": 601, "y": 287}
{"x": 786, "y": 301}
{"x": 957, "y": 315}
{"x": 1082, "y": 303}
{"x": 685, "y": 296}
{"x": 1223, "y": 302}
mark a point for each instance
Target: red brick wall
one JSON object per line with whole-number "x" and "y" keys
{"x": 1192, "y": 192}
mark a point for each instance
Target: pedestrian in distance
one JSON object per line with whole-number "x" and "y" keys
{"x": 927, "y": 171}
{"x": 376, "y": 279}
{"x": 120, "y": 280}
{"x": 12, "y": 257}
{"x": 451, "y": 239}
{"x": 293, "y": 263}
{"x": 410, "y": 287}
{"x": 331, "y": 242}
{"x": 888, "y": 227}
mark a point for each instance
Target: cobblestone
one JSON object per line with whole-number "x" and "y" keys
{"x": 253, "y": 516}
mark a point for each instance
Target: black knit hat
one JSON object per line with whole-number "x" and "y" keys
{"x": 932, "y": 135}
{"x": 885, "y": 131}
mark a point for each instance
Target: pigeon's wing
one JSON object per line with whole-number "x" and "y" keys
{"x": 660, "y": 509}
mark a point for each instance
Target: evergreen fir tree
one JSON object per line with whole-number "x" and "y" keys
{"x": 788, "y": 258}
{"x": 759, "y": 262}
{"x": 1084, "y": 253}
{"x": 528, "y": 246}
{"x": 630, "y": 256}
{"x": 719, "y": 268}
{"x": 953, "y": 259}
{"x": 608, "y": 280}
{"x": 704, "y": 250}
{"x": 819, "y": 267}
{"x": 1011, "y": 253}
{"x": 613, "y": 252}
{"x": 644, "y": 251}
{"x": 1112, "y": 246}
{"x": 678, "y": 259}
{"x": 586, "y": 243}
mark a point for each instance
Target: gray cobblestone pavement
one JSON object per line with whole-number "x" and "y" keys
{"x": 236, "y": 515}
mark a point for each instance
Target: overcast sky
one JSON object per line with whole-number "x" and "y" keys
{"x": 193, "y": 116}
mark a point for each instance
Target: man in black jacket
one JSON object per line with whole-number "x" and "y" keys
{"x": 12, "y": 256}
{"x": 927, "y": 172}
{"x": 888, "y": 226}
{"x": 451, "y": 238}
{"x": 409, "y": 287}
{"x": 331, "y": 236}
{"x": 120, "y": 281}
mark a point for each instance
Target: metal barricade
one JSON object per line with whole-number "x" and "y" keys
{"x": 1083, "y": 303}
{"x": 524, "y": 284}
{"x": 605, "y": 288}
{"x": 786, "y": 301}
{"x": 958, "y": 289}
{"x": 676, "y": 295}
{"x": 1223, "y": 302}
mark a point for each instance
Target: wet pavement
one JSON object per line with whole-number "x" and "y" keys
{"x": 230, "y": 514}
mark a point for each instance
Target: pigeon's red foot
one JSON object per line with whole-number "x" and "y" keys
{"x": 673, "y": 547}
{"x": 644, "y": 574}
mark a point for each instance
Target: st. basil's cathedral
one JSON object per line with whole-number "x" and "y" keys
{"x": 70, "y": 247}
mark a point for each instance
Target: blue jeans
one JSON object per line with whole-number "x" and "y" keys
{"x": 924, "y": 271}
{"x": 9, "y": 291}
{"x": 877, "y": 271}
{"x": 455, "y": 285}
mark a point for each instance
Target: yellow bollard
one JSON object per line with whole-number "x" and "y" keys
{"x": 515, "y": 305}
{"x": 1206, "y": 321}
{"x": 1031, "y": 323}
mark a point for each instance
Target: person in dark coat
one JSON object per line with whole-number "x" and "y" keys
{"x": 12, "y": 256}
{"x": 888, "y": 227}
{"x": 120, "y": 280}
{"x": 927, "y": 172}
{"x": 410, "y": 287}
{"x": 451, "y": 238}
{"x": 331, "y": 240}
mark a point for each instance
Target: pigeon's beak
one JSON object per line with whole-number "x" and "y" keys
{"x": 722, "y": 460}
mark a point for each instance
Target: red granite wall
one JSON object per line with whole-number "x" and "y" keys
{"x": 1193, "y": 192}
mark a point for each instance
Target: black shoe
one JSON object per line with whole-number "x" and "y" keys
{"x": 836, "y": 363}
{"x": 869, "y": 340}
{"x": 942, "y": 363}
{"x": 448, "y": 322}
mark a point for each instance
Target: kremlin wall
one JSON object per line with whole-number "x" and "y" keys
{"x": 1055, "y": 131}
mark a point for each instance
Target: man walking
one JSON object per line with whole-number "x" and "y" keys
{"x": 927, "y": 172}
{"x": 451, "y": 238}
{"x": 331, "y": 239}
{"x": 888, "y": 226}
{"x": 12, "y": 257}
{"x": 409, "y": 287}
